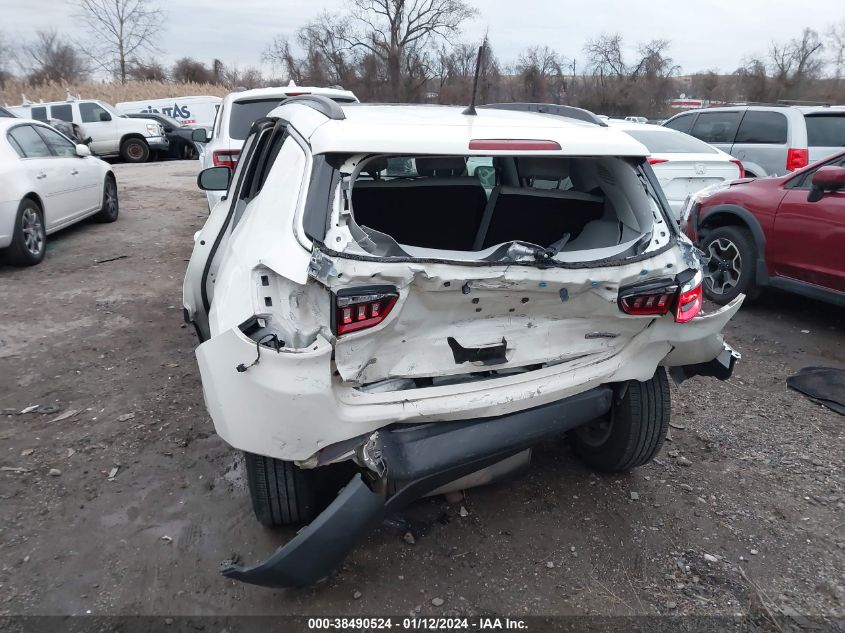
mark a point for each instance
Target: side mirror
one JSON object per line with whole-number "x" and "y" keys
{"x": 200, "y": 135}
{"x": 105, "y": 116}
{"x": 214, "y": 179}
{"x": 828, "y": 178}
{"x": 82, "y": 151}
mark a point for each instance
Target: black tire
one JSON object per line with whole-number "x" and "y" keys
{"x": 29, "y": 241}
{"x": 135, "y": 150}
{"x": 632, "y": 433}
{"x": 282, "y": 494}
{"x": 111, "y": 206}
{"x": 732, "y": 260}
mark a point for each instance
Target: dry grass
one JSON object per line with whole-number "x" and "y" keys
{"x": 11, "y": 91}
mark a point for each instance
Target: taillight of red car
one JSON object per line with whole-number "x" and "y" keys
{"x": 357, "y": 309}
{"x": 226, "y": 158}
{"x": 682, "y": 296}
{"x": 797, "y": 158}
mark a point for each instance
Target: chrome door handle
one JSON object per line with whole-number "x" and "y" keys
{"x": 74, "y": 172}
{"x": 41, "y": 176}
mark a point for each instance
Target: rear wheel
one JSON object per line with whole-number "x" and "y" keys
{"x": 29, "y": 241}
{"x": 282, "y": 493}
{"x": 632, "y": 433}
{"x": 135, "y": 150}
{"x": 731, "y": 259}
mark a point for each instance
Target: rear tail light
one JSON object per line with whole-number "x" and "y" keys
{"x": 663, "y": 296}
{"x": 226, "y": 158}
{"x": 797, "y": 158}
{"x": 657, "y": 161}
{"x": 689, "y": 304}
{"x": 361, "y": 308}
{"x": 739, "y": 164}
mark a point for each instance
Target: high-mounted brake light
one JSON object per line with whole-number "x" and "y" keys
{"x": 661, "y": 296}
{"x": 296, "y": 94}
{"x": 797, "y": 158}
{"x": 514, "y": 144}
{"x": 657, "y": 161}
{"x": 226, "y": 158}
{"x": 739, "y": 164}
{"x": 361, "y": 308}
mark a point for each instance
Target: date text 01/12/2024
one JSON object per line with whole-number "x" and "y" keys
{"x": 417, "y": 624}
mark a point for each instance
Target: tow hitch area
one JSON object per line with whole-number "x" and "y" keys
{"x": 419, "y": 459}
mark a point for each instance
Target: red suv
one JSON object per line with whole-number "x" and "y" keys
{"x": 786, "y": 232}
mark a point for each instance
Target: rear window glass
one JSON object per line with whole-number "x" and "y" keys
{"x": 827, "y": 130}
{"x": 716, "y": 127}
{"x": 244, "y": 113}
{"x": 762, "y": 127}
{"x": 62, "y": 112}
{"x": 681, "y": 123}
{"x": 670, "y": 142}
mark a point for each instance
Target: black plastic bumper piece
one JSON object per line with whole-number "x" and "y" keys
{"x": 721, "y": 367}
{"x": 419, "y": 458}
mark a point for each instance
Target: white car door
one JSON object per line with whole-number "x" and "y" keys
{"x": 82, "y": 175}
{"x": 100, "y": 126}
{"x": 45, "y": 175}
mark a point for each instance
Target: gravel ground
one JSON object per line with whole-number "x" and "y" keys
{"x": 118, "y": 498}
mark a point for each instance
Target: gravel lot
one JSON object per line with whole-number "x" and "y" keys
{"x": 130, "y": 504}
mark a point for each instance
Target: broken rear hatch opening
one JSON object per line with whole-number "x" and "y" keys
{"x": 442, "y": 268}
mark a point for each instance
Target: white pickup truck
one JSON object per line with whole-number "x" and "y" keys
{"x": 134, "y": 140}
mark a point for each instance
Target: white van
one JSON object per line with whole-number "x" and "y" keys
{"x": 134, "y": 140}
{"x": 198, "y": 111}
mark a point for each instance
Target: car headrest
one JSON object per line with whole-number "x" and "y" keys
{"x": 441, "y": 166}
{"x": 542, "y": 168}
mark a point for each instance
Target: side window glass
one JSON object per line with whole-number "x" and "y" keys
{"x": 15, "y": 146}
{"x": 56, "y": 142}
{"x": 30, "y": 142}
{"x": 716, "y": 127}
{"x": 93, "y": 113}
{"x": 762, "y": 127}
{"x": 681, "y": 123}
{"x": 39, "y": 113}
{"x": 62, "y": 112}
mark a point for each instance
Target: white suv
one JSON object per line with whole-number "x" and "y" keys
{"x": 134, "y": 140}
{"x": 423, "y": 293}
{"x": 235, "y": 116}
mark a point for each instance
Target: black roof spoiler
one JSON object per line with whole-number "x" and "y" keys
{"x": 321, "y": 104}
{"x": 570, "y": 112}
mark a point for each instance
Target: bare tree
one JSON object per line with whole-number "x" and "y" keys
{"x": 50, "y": 58}
{"x": 836, "y": 46}
{"x": 146, "y": 71}
{"x": 6, "y": 59}
{"x": 795, "y": 62}
{"x": 397, "y": 33}
{"x": 540, "y": 72}
{"x": 120, "y": 31}
{"x": 189, "y": 70}
{"x": 604, "y": 57}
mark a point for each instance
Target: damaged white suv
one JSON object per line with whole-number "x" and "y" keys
{"x": 425, "y": 293}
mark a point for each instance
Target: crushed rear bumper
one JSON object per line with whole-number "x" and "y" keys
{"x": 419, "y": 459}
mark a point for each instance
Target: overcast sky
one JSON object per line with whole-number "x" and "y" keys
{"x": 709, "y": 34}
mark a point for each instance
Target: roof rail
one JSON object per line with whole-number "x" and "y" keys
{"x": 780, "y": 103}
{"x": 569, "y": 112}
{"x": 321, "y": 104}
